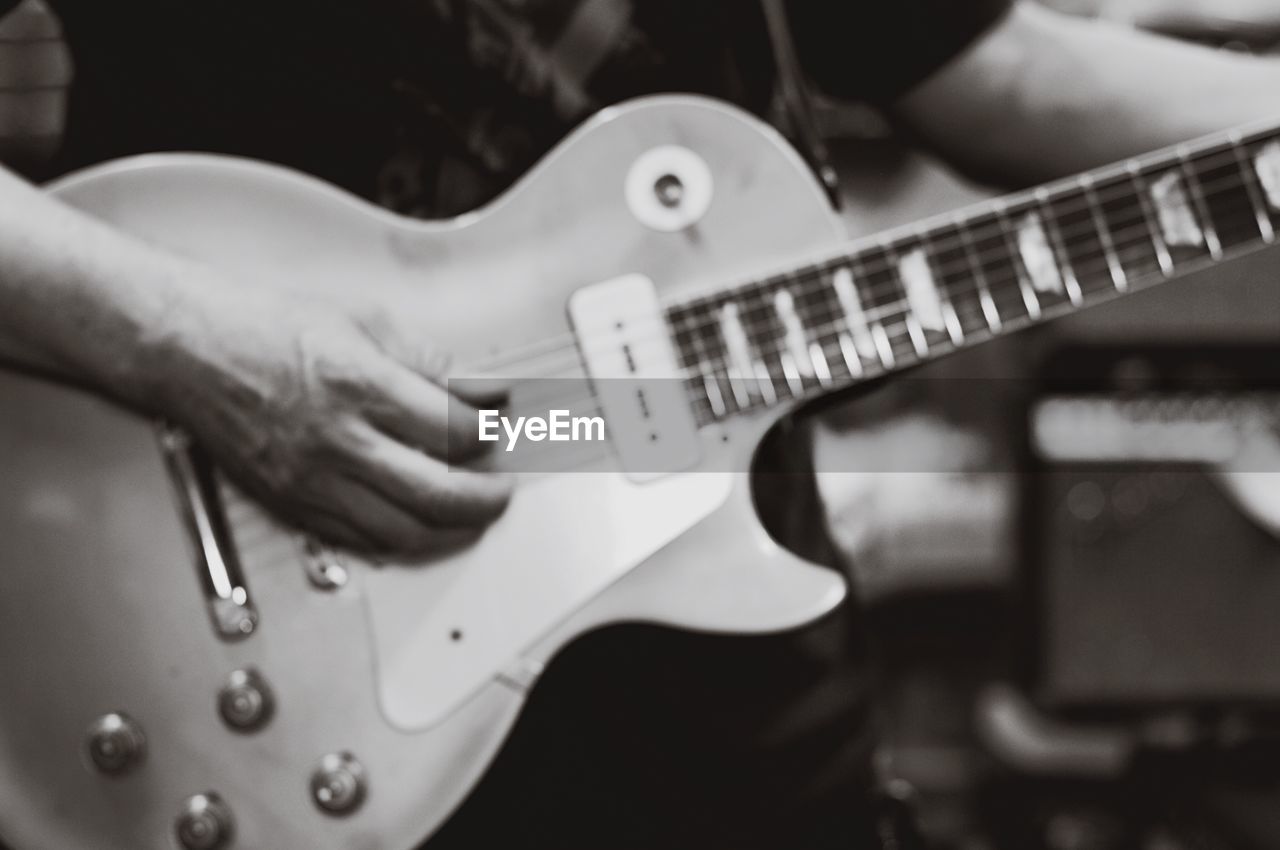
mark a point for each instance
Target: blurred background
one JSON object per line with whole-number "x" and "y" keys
{"x": 35, "y": 73}
{"x": 1067, "y": 658}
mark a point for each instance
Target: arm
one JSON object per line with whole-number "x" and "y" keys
{"x": 79, "y": 300}
{"x": 1043, "y": 95}
{"x": 301, "y": 404}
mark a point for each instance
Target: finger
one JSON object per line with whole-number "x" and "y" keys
{"x": 433, "y": 365}
{"x": 428, "y": 488}
{"x": 376, "y": 524}
{"x": 481, "y": 390}
{"x": 424, "y": 415}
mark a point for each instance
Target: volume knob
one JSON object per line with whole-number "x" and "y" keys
{"x": 204, "y": 823}
{"x": 339, "y": 783}
{"x": 245, "y": 701}
{"x": 116, "y": 743}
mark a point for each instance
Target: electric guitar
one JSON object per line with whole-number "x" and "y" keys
{"x": 181, "y": 670}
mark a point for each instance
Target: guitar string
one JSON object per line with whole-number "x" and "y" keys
{"x": 993, "y": 229}
{"x": 995, "y": 214}
{"x": 989, "y": 215}
{"x": 1088, "y": 200}
{"x": 875, "y": 369}
{"x": 994, "y": 226}
{"x": 1000, "y": 283}
{"x": 718, "y": 369}
{"x": 894, "y": 318}
{"x": 767, "y": 346}
{"x": 1135, "y": 232}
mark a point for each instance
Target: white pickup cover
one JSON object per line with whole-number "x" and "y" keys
{"x": 627, "y": 348}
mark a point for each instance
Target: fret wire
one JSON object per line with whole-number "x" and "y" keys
{"x": 1029, "y": 298}
{"x": 1234, "y": 146}
{"x": 859, "y": 261}
{"x": 901, "y": 308}
{"x": 1160, "y": 159}
{"x": 1126, "y": 215}
{"x": 1199, "y": 204}
{"x": 889, "y": 355}
{"x": 955, "y": 330}
{"x": 1057, "y": 244}
{"x": 1151, "y": 219}
{"x": 1227, "y": 199}
{"x": 842, "y": 321}
{"x": 758, "y": 333}
{"x": 702, "y": 353}
{"x": 820, "y": 303}
{"x": 963, "y": 272}
{"x": 994, "y": 321}
{"x": 868, "y": 306}
{"x": 1125, "y": 231}
{"x": 855, "y": 256}
{"x": 741, "y": 366}
{"x": 1251, "y": 186}
{"x": 1118, "y": 277}
{"x": 873, "y": 312}
{"x": 1203, "y": 260}
{"x": 770, "y": 327}
{"x": 792, "y": 368}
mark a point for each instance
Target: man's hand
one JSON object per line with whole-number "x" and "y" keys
{"x": 339, "y": 427}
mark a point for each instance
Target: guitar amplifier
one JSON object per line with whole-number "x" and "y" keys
{"x": 1152, "y": 558}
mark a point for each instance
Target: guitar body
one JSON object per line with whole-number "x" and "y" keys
{"x": 416, "y": 671}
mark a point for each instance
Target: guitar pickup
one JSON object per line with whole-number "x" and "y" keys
{"x": 626, "y": 346}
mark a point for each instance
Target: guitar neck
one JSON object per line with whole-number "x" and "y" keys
{"x": 896, "y": 299}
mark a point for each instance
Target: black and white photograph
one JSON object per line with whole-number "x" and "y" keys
{"x": 640, "y": 425}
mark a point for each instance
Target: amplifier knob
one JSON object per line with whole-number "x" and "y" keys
{"x": 245, "y": 701}
{"x": 204, "y": 823}
{"x": 116, "y": 743}
{"x": 339, "y": 783}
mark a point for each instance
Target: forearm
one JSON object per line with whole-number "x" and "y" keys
{"x": 77, "y": 298}
{"x": 1044, "y": 95}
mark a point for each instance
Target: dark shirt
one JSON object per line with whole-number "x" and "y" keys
{"x": 636, "y": 737}
{"x": 432, "y": 106}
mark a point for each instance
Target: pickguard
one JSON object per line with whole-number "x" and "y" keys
{"x": 563, "y": 540}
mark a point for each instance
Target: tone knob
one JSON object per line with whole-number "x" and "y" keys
{"x": 245, "y": 701}
{"x": 204, "y": 823}
{"x": 339, "y": 784}
{"x": 116, "y": 743}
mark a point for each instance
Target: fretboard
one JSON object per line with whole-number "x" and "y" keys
{"x": 909, "y": 294}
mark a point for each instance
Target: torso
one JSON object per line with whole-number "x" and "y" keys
{"x": 429, "y": 108}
